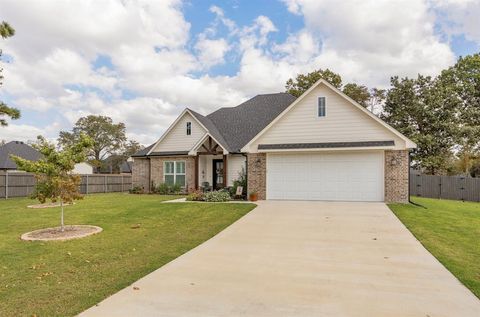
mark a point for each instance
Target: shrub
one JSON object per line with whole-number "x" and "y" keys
{"x": 175, "y": 189}
{"x": 196, "y": 196}
{"x": 162, "y": 189}
{"x": 136, "y": 190}
{"x": 165, "y": 189}
{"x": 217, "y": 196}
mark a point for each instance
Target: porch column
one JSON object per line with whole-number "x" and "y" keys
{"x": 225, "y": 171}
{"x": 196, "y": 171}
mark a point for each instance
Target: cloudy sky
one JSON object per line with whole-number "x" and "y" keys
{"x": 142, "y": 62}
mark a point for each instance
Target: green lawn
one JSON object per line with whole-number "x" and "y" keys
{"x": 450, "y": 230}
{"x": 64, "y": 278}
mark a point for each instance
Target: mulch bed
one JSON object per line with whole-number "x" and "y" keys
{"x": 70, "y": 232}
{"x": 48, "y": 205}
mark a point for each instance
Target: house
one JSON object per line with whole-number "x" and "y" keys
{"x": 17, "y": 148}
{"x": 116, "y": 164}
{"x": 83, "y": 168}
{"x": 319, "y": 146}
{"x": 27, "y": 152}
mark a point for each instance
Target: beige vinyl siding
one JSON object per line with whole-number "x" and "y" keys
{"x": 177, "y": 139}
{"x": 234, "y": 167}
{"x": 343, "y": 123}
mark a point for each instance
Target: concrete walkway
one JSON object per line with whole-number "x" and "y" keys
{"x": 301, "y": 259}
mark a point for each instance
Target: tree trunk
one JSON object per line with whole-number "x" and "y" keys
{"x": 62, "y": 225}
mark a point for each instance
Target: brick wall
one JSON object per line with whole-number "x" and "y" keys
{"x": 396, "y": 176}
{"x": 156, "y": 169}
{"x": 141, "y": 173}
{"x": 257, "y": 174}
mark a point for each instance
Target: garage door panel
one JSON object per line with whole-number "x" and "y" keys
{"x": 346, "y": 176}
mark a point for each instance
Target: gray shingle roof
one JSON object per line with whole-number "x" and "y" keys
{"x": 212, "y": 129}
{"x": 234, "y": 127}
{"x": 240, "y": 124}
{"x": 144, "y": 151}
{"x": 19, "y": 149}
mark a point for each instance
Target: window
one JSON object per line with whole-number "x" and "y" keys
{"x": 174, "y": 172}
{"x": 322, "y": 111}
{"x": 189, "y": 128}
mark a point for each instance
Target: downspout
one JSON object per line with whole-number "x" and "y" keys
{"x": 409, "y": 166}
{"x": 149, "y": 174}
{"x": 246, "y": 170}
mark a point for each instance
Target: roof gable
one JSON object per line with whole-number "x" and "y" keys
{"x": 175, "y": 138}
{"x": 378, "y": 128}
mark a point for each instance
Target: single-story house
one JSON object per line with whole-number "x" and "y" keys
{"x": 17, "y": 148}
{"x": 27, "y": 152}
{"x": 320, "y": 146}
{"x": 116, "y": 164}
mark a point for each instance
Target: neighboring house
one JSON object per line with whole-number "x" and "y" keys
{"x": 83, "y": 168}
{"x": 116, "y": 164}
{"x": 17, "y": 148}
{"x": 320, "y": 146}
{"x": 27, "y": 152}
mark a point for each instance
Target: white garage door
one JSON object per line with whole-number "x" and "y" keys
{"x": 345, "y": 176}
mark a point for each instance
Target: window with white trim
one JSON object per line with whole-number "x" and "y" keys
{"x": 322, "y": 107}
{"x": 189, "y": 128}
{"x": 174, "y": 172}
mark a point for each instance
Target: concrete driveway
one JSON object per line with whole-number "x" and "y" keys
{"x": 301, "y": 259}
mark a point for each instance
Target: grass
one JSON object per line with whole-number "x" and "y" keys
{"x": 450, "y": 230}
{"x": 65, "y": 278}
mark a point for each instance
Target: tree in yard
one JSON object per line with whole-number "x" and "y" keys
{"x": 55, "y": 180}
{"x": 418, "y": 109}
{"x": 6, "y": 31}
{"x": 359, "y": 93}
{"x": 377, "y": 97}
{"x": 130, "y": 148}
{"x": 108, "y": 137}
{"x": 301, "y": 83}
{"x": 463, "y": 82}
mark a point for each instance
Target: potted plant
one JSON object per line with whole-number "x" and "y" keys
{"x": 253, "y": 196}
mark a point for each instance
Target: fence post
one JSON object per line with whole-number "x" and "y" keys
{"x": 6, "y": 184}
{"x": 105, "y": 183}
{"x": 440, "y": 189}
{"x": 463, "y": 188}
{"x": 86, "y": 186}
{"x": 122, "y": 183}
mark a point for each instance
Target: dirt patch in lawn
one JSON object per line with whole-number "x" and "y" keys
{"x": 47, "y": 205}
{"x": 70, "y": 232}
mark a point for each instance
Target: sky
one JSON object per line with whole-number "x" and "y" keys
{"x": 142, "y": 62}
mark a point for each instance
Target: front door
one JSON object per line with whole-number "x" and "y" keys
{"x": 218, "y": 174}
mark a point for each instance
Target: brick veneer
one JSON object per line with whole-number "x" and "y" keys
{"x": 155, "y": 171}
{"x": 396, "y": 176}
{"x": 257, "y": 174}
{"x": 141, "y": 173}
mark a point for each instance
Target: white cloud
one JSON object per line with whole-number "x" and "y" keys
{"x": 373, "y": 40}
{"x": 459, "y": 17}
{"x": 166, "y": 67}
{"x": 211, "y": 52}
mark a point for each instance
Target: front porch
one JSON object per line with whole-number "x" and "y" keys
{"x": 211, "y": 165}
